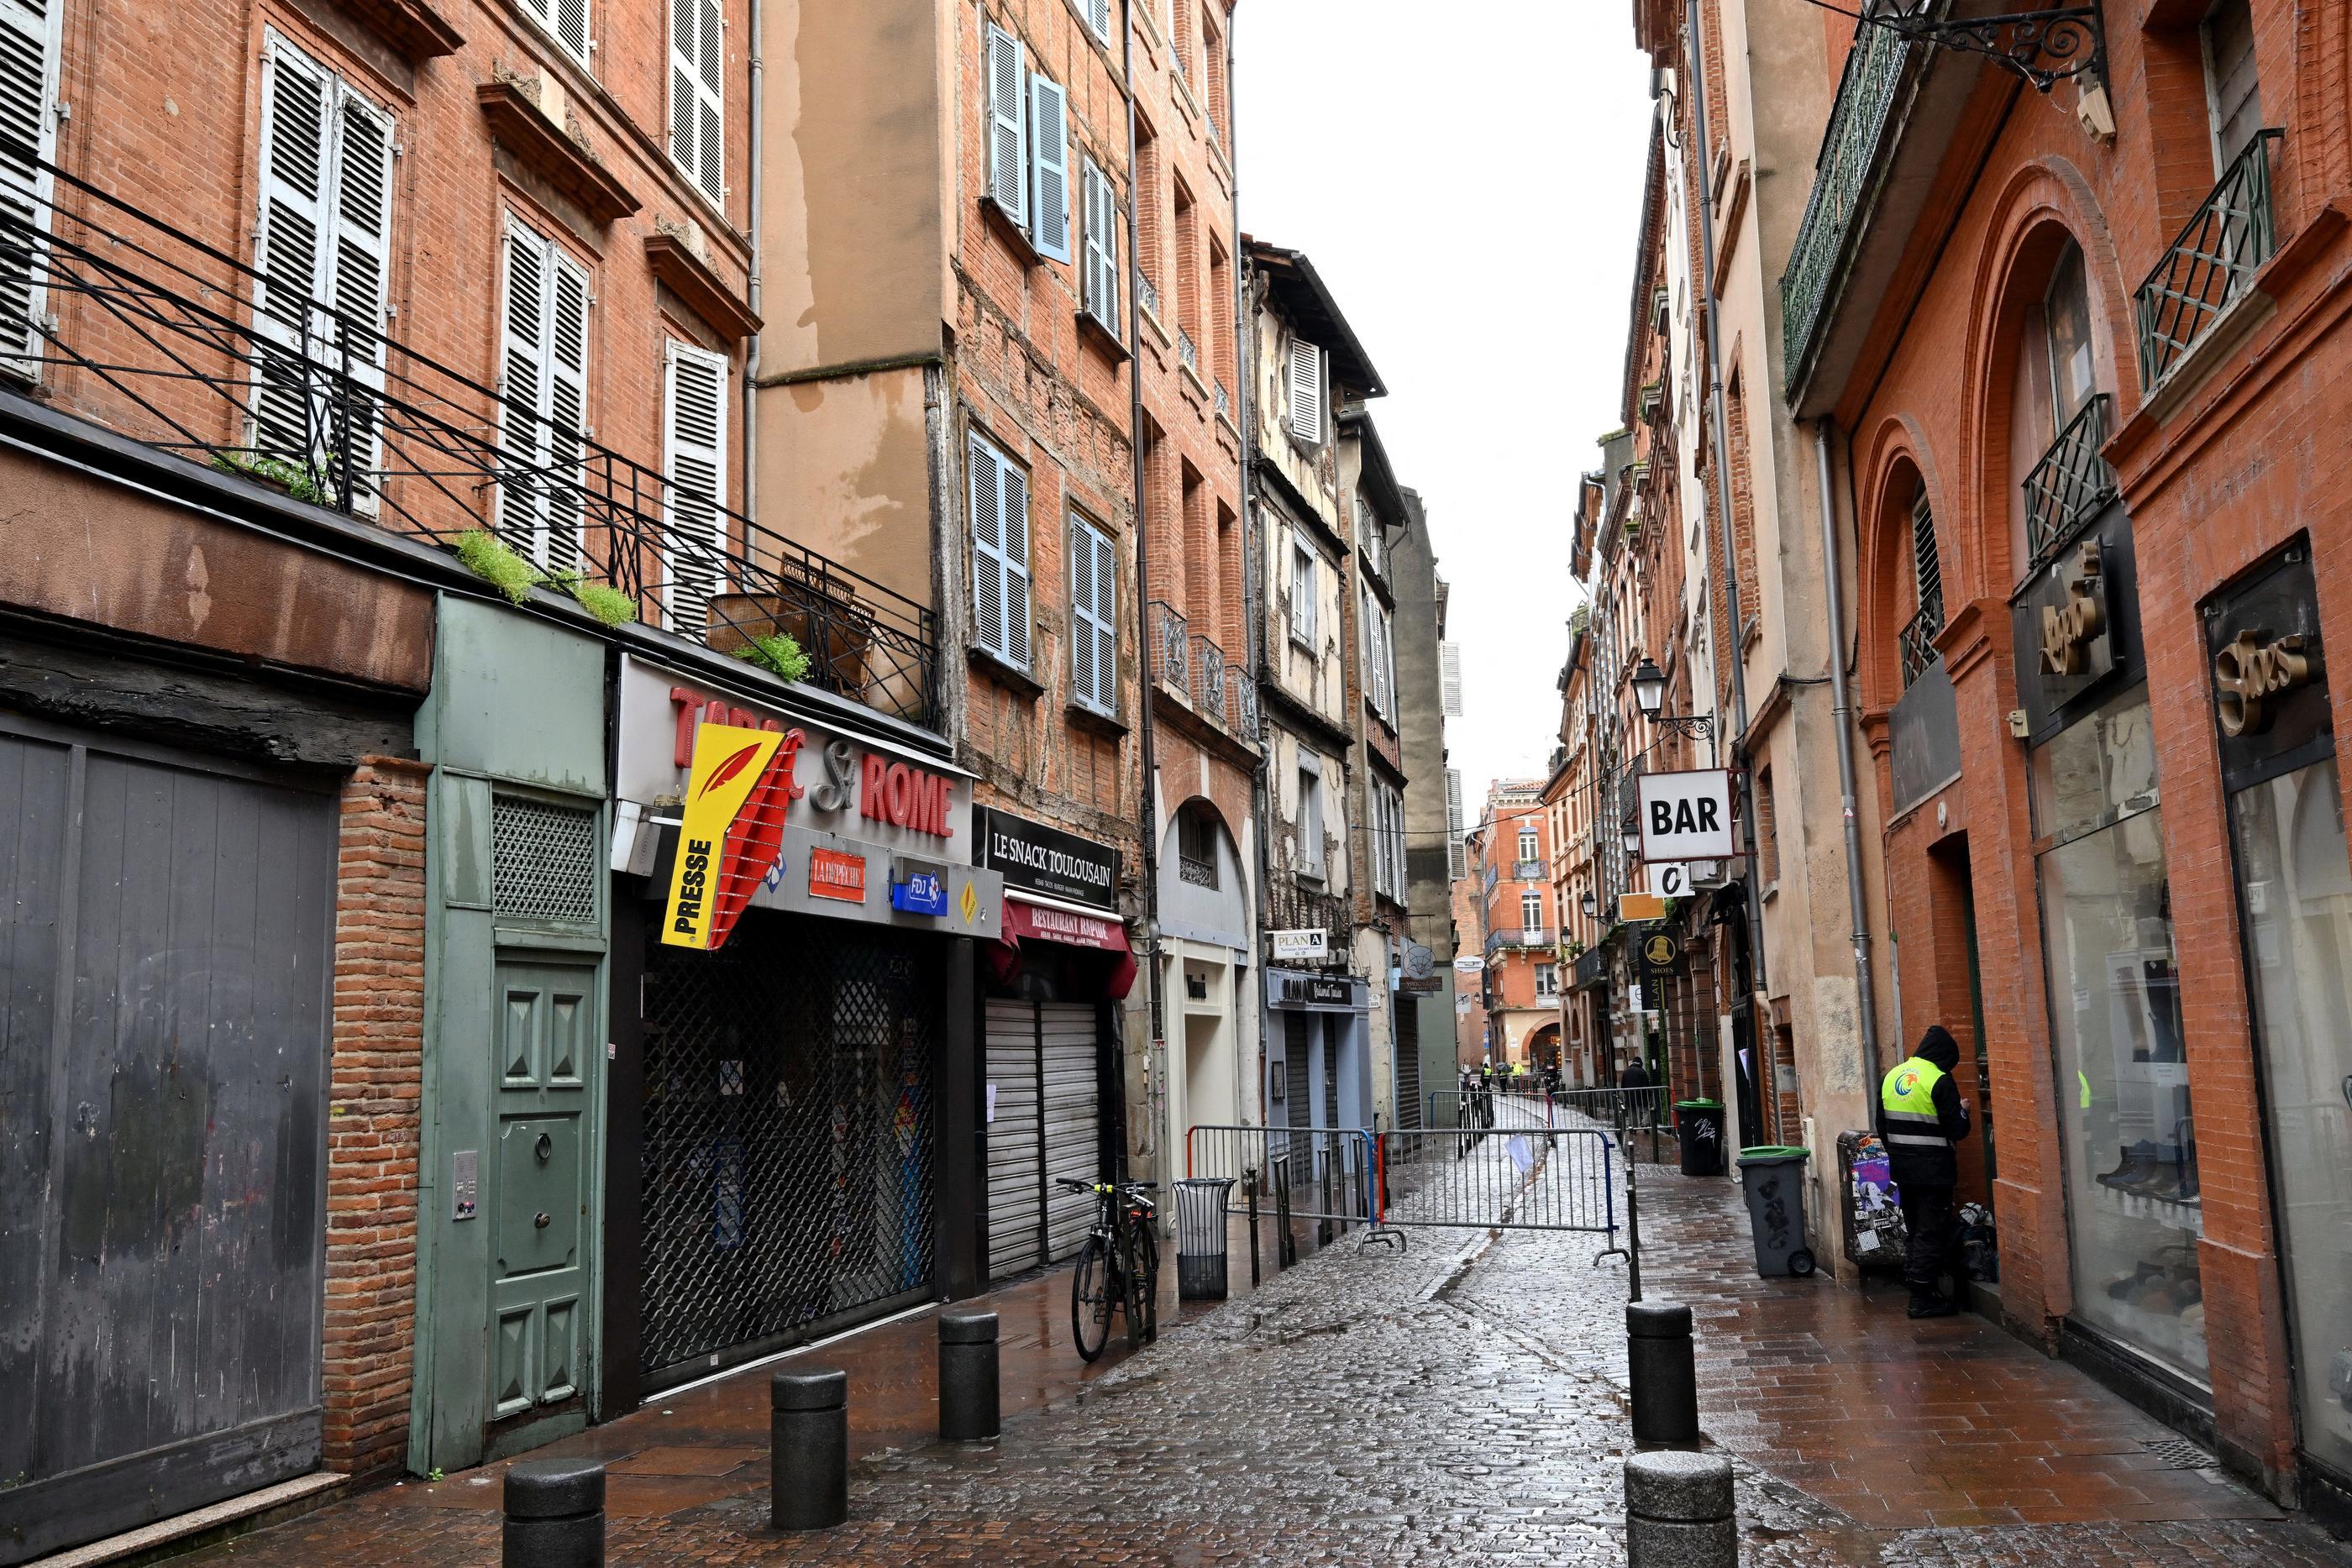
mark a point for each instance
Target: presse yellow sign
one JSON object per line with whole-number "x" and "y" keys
{"x": 728, "y": 764}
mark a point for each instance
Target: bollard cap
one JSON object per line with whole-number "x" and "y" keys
{"x": 1674, "y": 1485}
{"x": 1657, "y": 1320}
{"x": 966, "y": 1328}
{"x": 809, "y": 1388}
{"x": 554, "y": 1488}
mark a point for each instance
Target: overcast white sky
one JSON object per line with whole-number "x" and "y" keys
{"x": 1467, "y": 182}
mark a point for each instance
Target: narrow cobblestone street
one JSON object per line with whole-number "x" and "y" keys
{"x": 1462, "y": 1403}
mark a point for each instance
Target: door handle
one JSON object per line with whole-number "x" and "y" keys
{"x": 544, "y": 1148}
{"x": 544, "y": 1219}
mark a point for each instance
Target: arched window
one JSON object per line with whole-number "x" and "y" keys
{"x": 1928, "y": 589}
{"x": 2060, "y": 418}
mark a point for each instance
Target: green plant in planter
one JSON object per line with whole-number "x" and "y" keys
{"x": 496, "y": 565}
{"x": 779, "y": 653}
{"x": 294, "y": 478}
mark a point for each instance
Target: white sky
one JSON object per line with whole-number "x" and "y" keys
{"x": 1468, "y": 184}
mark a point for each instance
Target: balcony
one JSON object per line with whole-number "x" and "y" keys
{"x": 1209, "y": 683}
{"x": 1224, "y": 400}
{"x": 1514, "y": 937}
{"x": 1241, "y": 703}
{"x": 1169, "y": 647}
{"x": 1527, "y": 871}
{"x": 1843, "y": 177}
{"x": 1186, "y": 354}
{"x": 1146, "y": 294}
{"x": 2071, "y": 484}
{"x": 2210, "y": 264}
{"x": 1918, "y": 637}
{"x": 187, "y": 351}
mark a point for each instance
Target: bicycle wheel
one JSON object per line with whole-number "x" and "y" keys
{"x": 1132, "y": 1298}
{"x": 1149, "y": 1280}
{"x": 1093, "y": 1289}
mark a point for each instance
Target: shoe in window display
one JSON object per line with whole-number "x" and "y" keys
{"x": 2139, "y": 1162}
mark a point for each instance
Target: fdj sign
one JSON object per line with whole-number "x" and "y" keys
{"x": 1685, "y": 816}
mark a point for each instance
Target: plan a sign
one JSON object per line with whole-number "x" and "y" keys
{"x": 1685, "y": 816}
{"x": 1291, "y": 945}
{"x": 1047, "y": 860}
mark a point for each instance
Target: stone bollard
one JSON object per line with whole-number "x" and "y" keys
{"x": 1664, "y": 1372}
{"x": 555, "y": 1515}
{"x": 968, "y": 1408}
{"x": 1679, "y": 1511}
{"x": 808, "y": 1449}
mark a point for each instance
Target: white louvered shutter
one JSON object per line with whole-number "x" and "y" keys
{"x": 361, "y": 287}
{"x": 29, "y": 54}
{"x": 1082, "y": 612}
{"x": 1449, "y": 678}
{"x": 297, "y": 106}
{"x": 1094, "y": 606}
{"x": 1100, "y": 273}
{"x": 1388, "y": 662}
{"x": 567, "y": 19}
{"x": 1015, "y": 515}
{"x": 695, "y": 422}
{"x": 522, "y": 376}
{"x": 558, "y": 546}
{"x": 1098, "y": 18}
{"x": 1106, "y": 622}
{"x": 1049, "y": 167}
{"x": 1008, "y": 142}
{"x": 1307, "y": 393}
{"x": 696, "y": 75}
{"x": 987, "y": 547}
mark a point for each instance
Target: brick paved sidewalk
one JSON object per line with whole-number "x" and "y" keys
{"x": 1461, "y": 1404}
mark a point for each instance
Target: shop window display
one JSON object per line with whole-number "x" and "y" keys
{"x": 2128, "y": 1127}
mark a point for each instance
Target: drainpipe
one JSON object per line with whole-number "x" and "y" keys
{"x": 1253, "y": 607}
{"x": 1696, "y": 88}
{"x": 1148, "y": 811}
{"x": 1841, "y": 714}
{"x": 752, "y": 288}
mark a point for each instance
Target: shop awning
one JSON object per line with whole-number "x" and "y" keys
{"x": 1027, "y": 922}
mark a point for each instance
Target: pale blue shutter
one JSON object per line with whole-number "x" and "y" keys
{"x": 1049, "y": 167}
{"x": 1015, "y": 513}
{"x": 1082, "y": 613}
{"x": 1008, "y": 146}
{"x": 1100, "y": 272}
{"x": 987, "y": 486}
{"x": 1106, "y": 622}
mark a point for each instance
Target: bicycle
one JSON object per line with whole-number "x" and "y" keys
{"x": 1117, "y": 1266}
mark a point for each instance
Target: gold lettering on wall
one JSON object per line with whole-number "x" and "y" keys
{"x": 2068, "y": 630}
{"x": 2248, "y": 671}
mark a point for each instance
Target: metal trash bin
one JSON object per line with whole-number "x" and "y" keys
{"x": 1200, "y": 1238}
{"x": 1698, "y": 1124}
{"x": 1772, "y": 1177}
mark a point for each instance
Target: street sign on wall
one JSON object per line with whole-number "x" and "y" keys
{"x": 1685, "y": 816}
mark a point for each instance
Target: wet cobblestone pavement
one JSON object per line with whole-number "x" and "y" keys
{"x": 1462, "y": 1403}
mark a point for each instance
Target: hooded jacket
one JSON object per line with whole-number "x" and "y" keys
{"x": 1911, "y": 1163}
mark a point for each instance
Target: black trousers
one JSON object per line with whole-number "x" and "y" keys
{"x": 1932, "y": 1246}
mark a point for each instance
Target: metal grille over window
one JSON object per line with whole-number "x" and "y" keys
{"x": 543, "y": 861}
{"x": 787, "y": 1179}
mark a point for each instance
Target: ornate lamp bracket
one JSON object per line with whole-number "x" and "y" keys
{"x": 2060, "y": 43}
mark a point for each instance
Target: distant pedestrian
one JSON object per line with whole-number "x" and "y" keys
{"x": 1921, "y": 1117}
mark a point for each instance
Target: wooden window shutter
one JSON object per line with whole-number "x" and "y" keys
{"x": 1008, "y": 145}
{"x": 559, "y": 544}
{"x": 1082, "y": 612}
{"x": 1106, "y": 622}
{"x": 1049, "y": 169}
{"x": 567, "y": 19}
{"x": 1307, "y": 391}
{"x": 987, "y": 547}
{"x": 29, "y": 74}
{"x": 697, "y": 141}
{"x": 695, "y": 449}
{"x": 522, "y": 359}
{"x": 1100, "y": 273}
{"x": 1098, "y": 18}
{"x": 1016, "y": 564}
{"x": 296, "y": 179}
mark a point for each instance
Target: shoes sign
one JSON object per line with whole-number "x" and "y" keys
{"x": 1685, "y": 816}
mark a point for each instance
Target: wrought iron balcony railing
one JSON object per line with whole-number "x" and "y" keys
{"x": 1209, "y": 678}
{"x": 2208, "y": 265}
{"x": 2071, "y": 483}
{"x": 1919, "y": 639}
{"x": 1186, "y": 354}
{"x": 1170, "y": 663}
{"x": 1199, "y": 873}
{"x": 1223, "y": 398}
{"x": 1539, "y": 936}
{"x": 130, "y": 323}
{"x": 1527, "y": 871}
{"x": 1241, "y": 704}
{"x": 1146, "y": 294}
{"x": 1842, "y": 184}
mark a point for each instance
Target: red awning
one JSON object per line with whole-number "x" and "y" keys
{"x": 1102, "y": 932}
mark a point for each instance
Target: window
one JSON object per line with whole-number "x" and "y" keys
{"x": 1531, "y": 910}
{"x": 1306, "y": 379}
{"x": 1547, "y": 979}
{"x": 695, "y": 447}
{"x": 1768, "y": 831}
{"x": 1000, "y": 554}
{"x": 28, "y": 75}
{"x": 324, "y": 237}
{"x": 1311, "y": 819}
{"x": 1449, "y": 678}
{"x": 1093, "y": 618}
{"x": 1028, "y": 147}
{"x": 1100, "y": 273}
{"x": 1526, "y": 843}
{"x": 1927, "y": 571}
{"x": 2067, "y": 310}
{"x": 1008, "y": 126}
{"x": 1379, "y": 656}
{"x": 1367, "y": 537}
{"x": 2234, "y": 91}
{"x": 1303, "y": 592}
{"x": 1388, "y": 842}
{"x": 1457, "y": 864}
{"x": 1097, "y": 15}
{"x": 543, "y": 379}
{"x": 697, "y": 72}
{"x": 568, "y": 20}
{"x": 1196, "y": 847}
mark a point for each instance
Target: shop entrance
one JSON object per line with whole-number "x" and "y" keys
{"x": 1043, "y": 1071}
{"x": 787, "y": 1180}
{"x": 1957, "y": 1003}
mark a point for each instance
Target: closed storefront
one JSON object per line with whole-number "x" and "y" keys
{"x": 1052, "y": 983}
{"x": 783, "y": 1164}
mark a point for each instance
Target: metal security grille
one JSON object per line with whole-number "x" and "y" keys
{"x": 1408, "y": 1062}
{"x": 787, "y": 1181}
{"x": 542, "y": 862}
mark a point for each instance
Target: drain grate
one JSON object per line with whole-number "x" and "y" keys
{"x": 2178, "y": 1454}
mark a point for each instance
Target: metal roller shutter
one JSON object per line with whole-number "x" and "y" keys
{"x": 1408, "y": 1062}
{"x": 1015, "y": 1195}
{"x": 1065, "y": 1033}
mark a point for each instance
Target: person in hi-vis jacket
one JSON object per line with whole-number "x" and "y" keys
{"x": 1921, "y": 1117}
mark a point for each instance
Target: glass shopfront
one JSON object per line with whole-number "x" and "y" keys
{"x": 2129, "y": 1133}
{"x": 2294, "y": 892}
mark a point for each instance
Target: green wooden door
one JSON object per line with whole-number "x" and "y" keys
{"x": 538, "y": 1177}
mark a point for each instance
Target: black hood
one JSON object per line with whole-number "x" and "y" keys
{"x": 1939, "y": 1046}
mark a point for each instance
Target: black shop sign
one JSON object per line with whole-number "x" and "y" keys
{"x": 1047, "y": 860}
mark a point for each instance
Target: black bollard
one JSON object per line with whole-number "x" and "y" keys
{"x": 1679, "y": 1511}
{"x": 967, "y": 1376}
{"x": 1665, "y": 1370}
{"x": 808, "y": 1449}
{"x": 555, "y": 1515}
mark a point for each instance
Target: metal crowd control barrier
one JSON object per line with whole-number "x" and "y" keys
{"x": 1478, "y": 1110}
{"x": 1639, "y": 1120}
{"x": 1324, "y": 1174}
